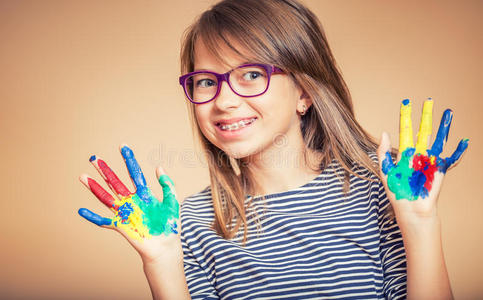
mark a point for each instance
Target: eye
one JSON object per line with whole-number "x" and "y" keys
{"x": 205, "y": 83}
{"x": 252, "y": 75}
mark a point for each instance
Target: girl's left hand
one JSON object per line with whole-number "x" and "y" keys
{"x": 413, "y": 184}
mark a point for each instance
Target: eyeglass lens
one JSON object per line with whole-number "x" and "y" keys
{"x": 245, "y": 81}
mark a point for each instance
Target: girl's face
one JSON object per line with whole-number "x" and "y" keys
{"x": 276, "y": 122}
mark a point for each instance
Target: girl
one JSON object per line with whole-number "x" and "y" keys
{"x": 297, "y": 206}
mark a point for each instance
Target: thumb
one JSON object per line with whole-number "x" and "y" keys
{"x": 384, "y": 154}
{"x": 166, "y": 183}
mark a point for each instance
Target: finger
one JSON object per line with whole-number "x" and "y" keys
{"x": 110, "y": 177}
{"x": 384, "y": 154}
{"x": 94, "y": 218}
{"x": 455, "y": 157}
{"x": 436, "y": 185}
{"x": 98, "y": 191}
{"x": 405, "y": 127}
{"x": 135, "y": 172}
{"x": 442, "y": 135}
{"x": 166, "y": 183}
{"x": 169, "y": 198}
{"x": 425, "y": 127}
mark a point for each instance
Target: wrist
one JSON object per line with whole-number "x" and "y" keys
{"x": 418, "y": 220}
{"x": 168, "y": 256}
{"x": 412, "y": 219}
{"x": 165, "y": 274}
{"x": 419, "y": 231}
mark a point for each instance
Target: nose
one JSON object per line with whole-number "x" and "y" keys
{"x": 227, "y": 99}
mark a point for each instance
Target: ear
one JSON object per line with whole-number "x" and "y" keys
{"x": 304, "y": 101}
{"x": 306, "y": 98}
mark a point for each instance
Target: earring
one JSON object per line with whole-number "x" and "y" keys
{"x": 304, "y": 110}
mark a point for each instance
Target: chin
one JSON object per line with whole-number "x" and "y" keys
{"x": 239, "y": 151}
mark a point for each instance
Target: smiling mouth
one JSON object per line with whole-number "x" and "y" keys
{"x": 237, "y": 125}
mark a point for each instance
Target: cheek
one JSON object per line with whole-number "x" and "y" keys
{"x": 202, "y": 118}
{"x": 200, "y": 115}
{"x": 279, "y": 106}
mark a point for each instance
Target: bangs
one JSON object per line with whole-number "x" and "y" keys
{"x": 232, "y": 27}
{"x": 279, "y": 33}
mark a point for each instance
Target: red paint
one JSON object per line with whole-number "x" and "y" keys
{"x": 423, "y": 163}
{"x": 101, "y": 193}
{"x": 112, "y": 179}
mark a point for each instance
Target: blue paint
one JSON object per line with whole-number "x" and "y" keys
{"x": 92, "y": 158}
{"x": 125, "y": 211}
{"x": 442, "y": 135}
{"x": 387, "y": 163}
{"x": 409, "y": 152}
{"x": 449, "y": 161}
{"x": 93, "y": 217}
{"x": 173, "y": 227}
{"x": 145, "y": 194}
{"x": 136, "y": 173}
{"x": 405, "y": 102}
{"x": 416, "y": 182}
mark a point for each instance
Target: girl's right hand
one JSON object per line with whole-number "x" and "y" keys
{"x": 150, "y": 226}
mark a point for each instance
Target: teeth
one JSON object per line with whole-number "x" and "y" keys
{"x": 237, "y": 125}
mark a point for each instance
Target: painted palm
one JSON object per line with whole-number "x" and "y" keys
{"x": 412, "y": 177}
{"x": 138, "y": 214}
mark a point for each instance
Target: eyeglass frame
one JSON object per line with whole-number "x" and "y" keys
{"x": 270, "y": 69}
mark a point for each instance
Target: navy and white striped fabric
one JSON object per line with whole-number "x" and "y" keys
{"x": 312, "y": 242}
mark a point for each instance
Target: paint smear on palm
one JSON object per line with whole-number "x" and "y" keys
{"x": 413, "y": 175}
{"x": 141, "y": 219}
{"x": 140, "y": 215}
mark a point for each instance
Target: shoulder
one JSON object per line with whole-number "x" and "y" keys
{"x": 198, "y": 198}
{"x": 197, "y": 207}
{"x": 197, "y": 217}
{"x": 373, "y": 156}
{"x": 385, "y": 208}
{"x": 364, "y": 180}
{"x": 365, "y": 173}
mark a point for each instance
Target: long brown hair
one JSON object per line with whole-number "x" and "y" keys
{"x": 286, "y": 34}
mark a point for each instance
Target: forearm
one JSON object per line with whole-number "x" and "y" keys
{"x": 427, "y": 277}
{"x": 167, "y": 279}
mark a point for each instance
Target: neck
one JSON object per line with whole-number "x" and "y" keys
{"x": 281, "y": 168}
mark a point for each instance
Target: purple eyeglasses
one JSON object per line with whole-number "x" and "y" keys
{"x": 249, "y": 80}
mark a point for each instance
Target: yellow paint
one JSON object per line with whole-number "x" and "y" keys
{"x": 405, "y": 128}
{"x": 425, "y": 127}
{"x": 134, "y": 227}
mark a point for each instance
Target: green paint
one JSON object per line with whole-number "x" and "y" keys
{"x": 158, "y": 216}
{"x": 398, "y": 177}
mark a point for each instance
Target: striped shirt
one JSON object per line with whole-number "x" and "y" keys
{"x": 311, "y": 242}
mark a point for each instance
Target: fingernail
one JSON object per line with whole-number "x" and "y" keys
{"x": 84, "y": 179}
{"x": 126, "y": 151}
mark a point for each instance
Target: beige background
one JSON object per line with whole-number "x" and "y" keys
{"x": 79, "y": 77}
